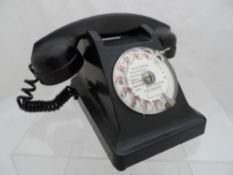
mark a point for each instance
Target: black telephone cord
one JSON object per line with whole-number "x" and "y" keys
{"x": 27, "y": 103}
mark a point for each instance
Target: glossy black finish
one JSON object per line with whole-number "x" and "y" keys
{"x": 126, "y": 136}
{"x": 55, "y": 58}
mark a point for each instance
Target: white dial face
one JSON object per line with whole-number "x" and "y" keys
{"x": 144, "y": 82}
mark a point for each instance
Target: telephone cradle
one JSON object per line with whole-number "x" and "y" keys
{"x": 121, "y": 76}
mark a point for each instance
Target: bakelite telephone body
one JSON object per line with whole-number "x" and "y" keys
{"x": 120, "y": 73}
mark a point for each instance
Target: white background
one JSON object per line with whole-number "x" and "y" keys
{"x": 63, "y": 142}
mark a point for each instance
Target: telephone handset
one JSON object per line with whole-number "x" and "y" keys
{"x": 55, "y": 57}
{"x": 120, "y": 73}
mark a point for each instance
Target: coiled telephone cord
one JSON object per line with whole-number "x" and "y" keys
{"x": 27, "y": 103}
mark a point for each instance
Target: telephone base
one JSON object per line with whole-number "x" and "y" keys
{"x": 170, "y": 138}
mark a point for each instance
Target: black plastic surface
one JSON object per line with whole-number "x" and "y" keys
{"x": 55, "y": 58}
{"x": 126, "y": 136}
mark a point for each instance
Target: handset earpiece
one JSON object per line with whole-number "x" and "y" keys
{"x": 56, "y": 60}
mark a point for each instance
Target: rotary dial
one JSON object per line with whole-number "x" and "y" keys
{"x": 144, "y": 81}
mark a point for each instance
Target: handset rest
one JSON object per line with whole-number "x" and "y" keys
{"x": 55, "y": 57}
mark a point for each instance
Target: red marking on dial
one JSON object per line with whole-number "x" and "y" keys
{"x": 134, "y": 100}
{"x": 145, "y": 104}
{"x": 146, "y": 55}
{"x": 120, "y": 80}
{"x": 125, "y": 90}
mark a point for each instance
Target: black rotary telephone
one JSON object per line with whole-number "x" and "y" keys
{"x": 120, "y": 73}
